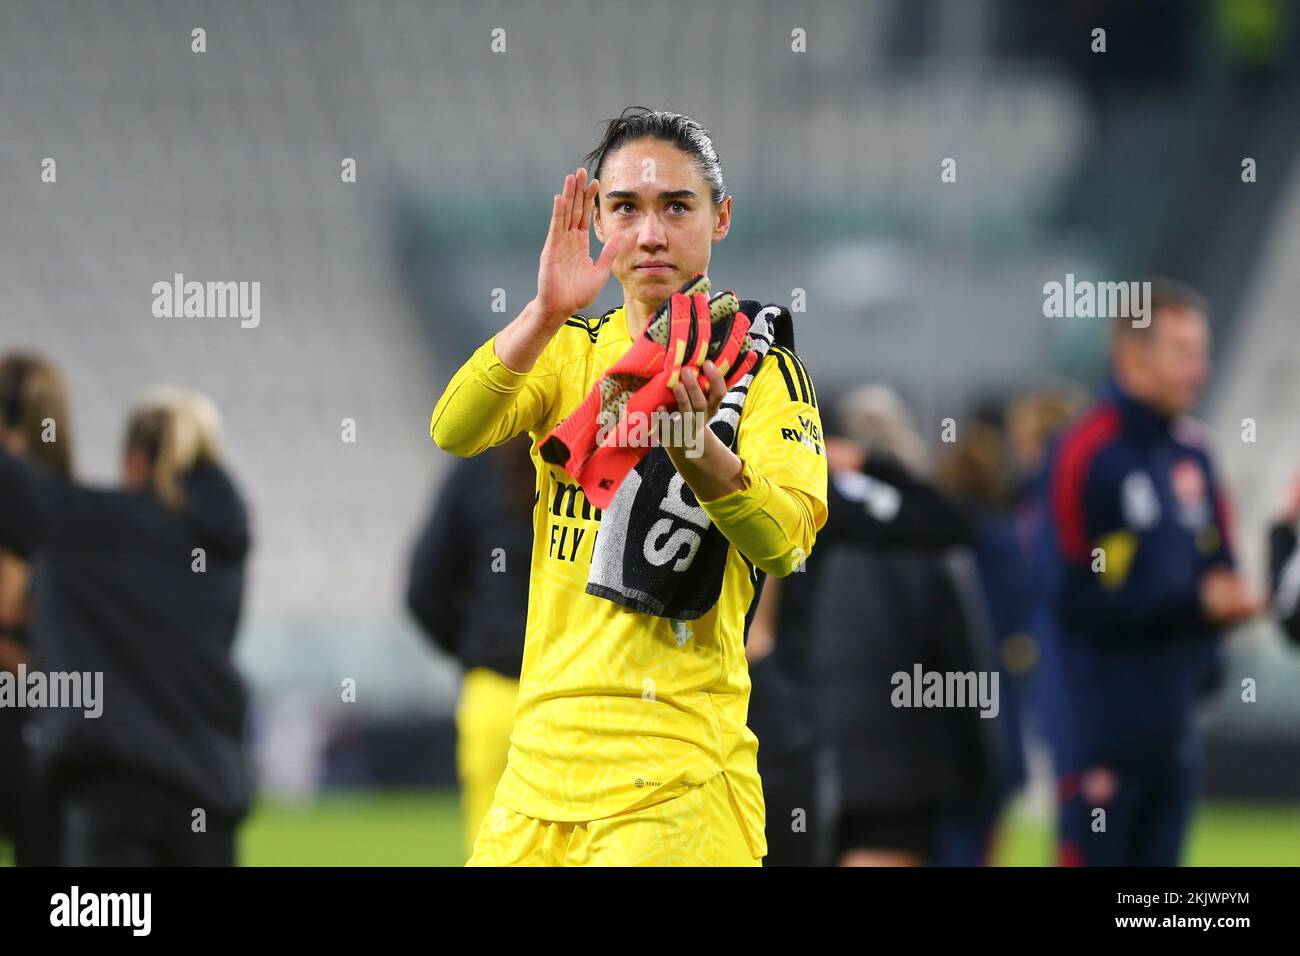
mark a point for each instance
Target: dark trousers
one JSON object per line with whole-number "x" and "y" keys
{"x": 27, "y": 816}
{"x": 793, "y": 815}
{"x": 787, "y": 765}
{"x": 113, "y": 819}
{"x": 1144, "y": 809}
{"x": 12, "y": 771}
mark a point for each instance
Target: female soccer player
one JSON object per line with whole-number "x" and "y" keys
{"x": 630, "y": 745}
{"x": 142, "y": 586}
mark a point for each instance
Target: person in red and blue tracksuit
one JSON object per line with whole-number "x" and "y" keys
{"x": 1144, "y": 587}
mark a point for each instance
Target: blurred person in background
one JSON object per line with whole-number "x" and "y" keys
{"x": 468, "y": 589}
{"x": 34, "y": 425}
{"x": 886, "y": 772}
{"x": 873, "y": 501}
{"x": 1145, "y": 589}
{"x": 976, "y": 471}
{"x": 143, "y": 586}
{"x": 1284, "y": 562}
{"x": 1034, "y": 421}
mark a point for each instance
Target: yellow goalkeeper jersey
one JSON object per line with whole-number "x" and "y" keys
{"x": 616, "y": 709}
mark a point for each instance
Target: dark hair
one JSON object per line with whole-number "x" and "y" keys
{"x": 639, "y": 122}
{"x": 977, "y": 468}
{"x": 32, "y": 392}
{"x": 1166, "y": 294}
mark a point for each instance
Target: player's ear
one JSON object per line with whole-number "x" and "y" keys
{"x": 722, "y": 220}
{"x": 595, "y": 221}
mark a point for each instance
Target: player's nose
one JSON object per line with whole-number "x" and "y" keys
{"x": 651, "y": 233}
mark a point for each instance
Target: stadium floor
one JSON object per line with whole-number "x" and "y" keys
{"x": 404, "y": 828}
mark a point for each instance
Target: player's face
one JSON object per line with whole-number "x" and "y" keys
{"x": 655, "y": 193}
{"x": 1178, "y": 360}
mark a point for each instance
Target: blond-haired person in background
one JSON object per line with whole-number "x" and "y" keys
{"x": 139, "y": 590}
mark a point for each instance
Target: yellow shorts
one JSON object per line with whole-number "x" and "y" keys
{"x": 699, "y": 828}
{"x": 485, "y": 716}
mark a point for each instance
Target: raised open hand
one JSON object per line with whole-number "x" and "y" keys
{"x": 567, "y": 279}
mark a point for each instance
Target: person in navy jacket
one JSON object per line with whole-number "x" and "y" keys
{"x": 1284, "y": 563}
{"x": 143, "y": 587}
{"x": 1144, "y": 589}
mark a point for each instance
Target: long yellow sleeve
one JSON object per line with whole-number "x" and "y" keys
{"x": 487, "y": 403}
{"x": 773, "y": 526}
{"x": 774, "y": 517}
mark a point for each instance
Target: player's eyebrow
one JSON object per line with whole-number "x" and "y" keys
{"x": 666, "y": 194}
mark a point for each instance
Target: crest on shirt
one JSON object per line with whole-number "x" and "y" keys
{"x": 1139, "y": 501}
{"x": 1187, "y": 479}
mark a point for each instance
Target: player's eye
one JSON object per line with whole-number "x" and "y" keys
{"x": 678, "y": 207}
{"x": 625, "y": 206}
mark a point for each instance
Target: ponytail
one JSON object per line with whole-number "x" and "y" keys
{"x": 176, "y": 431}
